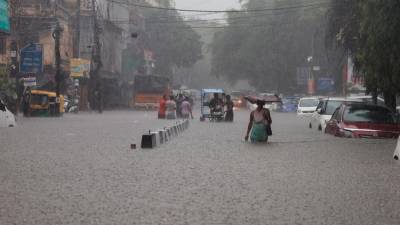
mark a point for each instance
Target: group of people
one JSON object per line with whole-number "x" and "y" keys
{"x": 172, "y": 107}
{"x": 258, "y": 129}
{"x": 224, "y": 104}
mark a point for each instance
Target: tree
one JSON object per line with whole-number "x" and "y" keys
{"x": 370, "y": 30}
{"x": 174, "y": 43}
{"x": 267, "y": 47}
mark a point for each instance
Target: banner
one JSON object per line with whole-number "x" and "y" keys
{"x": 80, "y": 68}
{"x": 4, "y": 18}
{"x": 325, "y": 84}
{"x": 29, "y": 81}
{"x": 31, "y": 58}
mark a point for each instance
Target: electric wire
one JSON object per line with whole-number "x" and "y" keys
{"x": 220, "y": 11}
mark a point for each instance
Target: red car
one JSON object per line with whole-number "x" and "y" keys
{"x": 361, "y": 120}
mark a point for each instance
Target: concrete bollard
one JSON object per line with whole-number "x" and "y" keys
{"x": 148, "y": 140}
{"x": 162, "y": 136}
{"x": 180, "y": 127}
{"x": 169, "y": 133}
{"x": 157, "y": 137}
{"x": 396, "y": 154}
{"x": 167, "y": 138}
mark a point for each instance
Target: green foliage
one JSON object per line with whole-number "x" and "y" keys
{"x": 7, "y": 86}
{"x": 267, "y": 47}
{"x": 370, "y": 29}
{"x": 174, "y": 43}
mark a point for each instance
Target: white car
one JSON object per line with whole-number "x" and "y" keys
{"x": 307, "y": 106}
{"x": 326, "y": 107}
{"x": 7, "y": 119}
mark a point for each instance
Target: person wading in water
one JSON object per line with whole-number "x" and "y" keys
{"x": 259, "y": 124}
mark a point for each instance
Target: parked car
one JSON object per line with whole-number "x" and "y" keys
{"x": 7, "y": 119}
{"x": 307, "y": 106}
{"x": 363, "y": 120}
{"x": 326, "y": 107}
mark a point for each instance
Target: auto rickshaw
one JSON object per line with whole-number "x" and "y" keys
{"x": 205, "y": 110}
{"x": 43, "y": 103}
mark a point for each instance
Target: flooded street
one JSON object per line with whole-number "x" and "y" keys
{"x": 80, "y": 169}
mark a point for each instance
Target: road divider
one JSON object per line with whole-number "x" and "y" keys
{"x": 162, "y": 136}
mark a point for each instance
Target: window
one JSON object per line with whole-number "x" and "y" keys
{"x": 3, "y": 45}
{"x": 368, "y": 114}
{"x": 320, "y": 105}
{"x": 331, "y": 106}
{"x": 336, "y": 115}
{"x": 309, "y": 102}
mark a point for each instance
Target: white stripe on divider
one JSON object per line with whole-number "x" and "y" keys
{"x": 396, "y": 154}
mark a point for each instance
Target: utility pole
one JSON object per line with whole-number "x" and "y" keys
{"x": 56, "y": 35}
{"x": 96, "y": 58}
{"x": 15, "y": 10}
{"x": 76, "y": 52}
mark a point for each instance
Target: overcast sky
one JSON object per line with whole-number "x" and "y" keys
{"x": 207, "y": 5}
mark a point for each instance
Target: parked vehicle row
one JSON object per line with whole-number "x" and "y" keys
{"x": 363, "y": 120}
{"x": 353, "y": 117}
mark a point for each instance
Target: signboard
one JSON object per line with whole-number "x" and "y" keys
{"x": 325, "y": 85}
{"x": 29, "y": 81}
{"x": 80, "y": 68}
{"x": 31, "y": 59}
{"x": 4, "y": 17}
{"x": 316, "y": 68}
{"x": 302, "y": 75}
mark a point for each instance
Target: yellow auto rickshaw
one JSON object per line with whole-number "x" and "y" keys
{"x": 43, "y": 103}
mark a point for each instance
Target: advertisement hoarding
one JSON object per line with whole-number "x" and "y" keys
{"x": 4, "y": 17}
{"x": 31, "y": 59}
{"x": 326, "y": 85}
{"x": 80, "y": 68}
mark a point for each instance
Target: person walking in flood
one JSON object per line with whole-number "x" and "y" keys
{"x": 162, "y": 107}
{"x": 259, "y": 124}
{"x": 186, "y": 109}
{"x": 170, "y": 108}
{"x": 229, "y": 109}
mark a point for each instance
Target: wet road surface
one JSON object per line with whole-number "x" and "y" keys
{"x": 80, "y": 169}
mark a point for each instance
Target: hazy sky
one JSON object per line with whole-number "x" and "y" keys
{"x": 207, "y": 5}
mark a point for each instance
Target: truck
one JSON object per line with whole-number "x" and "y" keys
{"x": 149, "y": 89}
